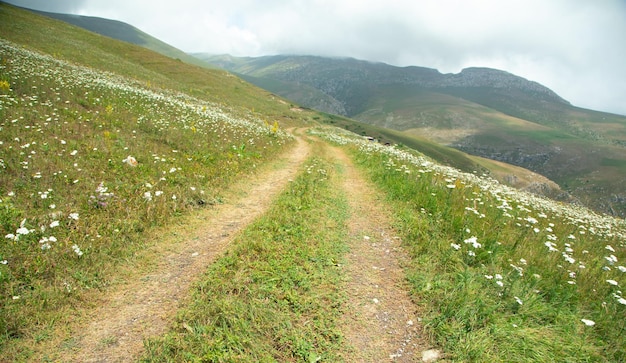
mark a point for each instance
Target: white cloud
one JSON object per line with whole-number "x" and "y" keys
{"x": 575, "y": 47}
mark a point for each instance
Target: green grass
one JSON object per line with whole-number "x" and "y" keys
{"x": 276, "y": 295}
{"x": 617, "y": 163}
{"x": 63, "y": 152}
{"x": 122, "y": 31}
{"x": 442, "y": 154}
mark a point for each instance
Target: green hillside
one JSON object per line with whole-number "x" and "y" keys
{"x": 125, "y": 32}
{"x": 156, "y": 71}
{"x": 483, "y": 112}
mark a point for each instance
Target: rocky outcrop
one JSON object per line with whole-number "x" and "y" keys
{"x": 496, "y": 79}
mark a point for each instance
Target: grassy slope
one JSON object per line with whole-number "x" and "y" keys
{"x": 82, "y": 47}
{"x": 122, "y": 31}
{"x": 581, "y": 122}
{"x": 405, "y": 108}
{"x": 505, "y": 173}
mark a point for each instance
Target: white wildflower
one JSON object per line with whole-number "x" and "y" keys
{"x": 588, "y": 322}
{"x": 130, "y": 161}
{"x": 77, "y": 250}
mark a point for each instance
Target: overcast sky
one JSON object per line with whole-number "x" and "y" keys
{"x": 575, "y": 47}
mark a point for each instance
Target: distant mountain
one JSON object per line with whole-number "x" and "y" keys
{"x": 340, "y": 78}
{"x": 125, "y": 32}
{"x": 482, "y": 111}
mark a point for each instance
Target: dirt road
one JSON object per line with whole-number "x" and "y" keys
{"x": 381, "y": 323}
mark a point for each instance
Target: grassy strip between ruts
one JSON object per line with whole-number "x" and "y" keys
{"x": 494, "y": 289}
{"x": 276, "y": 295}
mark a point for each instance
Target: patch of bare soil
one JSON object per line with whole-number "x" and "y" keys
{"x": 144, "y": 306}
{"x": 381, "y": 323}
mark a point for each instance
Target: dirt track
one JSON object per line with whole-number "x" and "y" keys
{"x": 381, "y": 323}
{"x": 146, "y": 304}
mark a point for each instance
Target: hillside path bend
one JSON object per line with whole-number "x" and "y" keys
{"x": 145, "y": 305}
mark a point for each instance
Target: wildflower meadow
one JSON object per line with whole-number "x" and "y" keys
{"x": 502, "y": 273}
{"x": 88, "y": 161}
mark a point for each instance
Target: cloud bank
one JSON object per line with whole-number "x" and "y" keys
{"x": 575, "y": 47}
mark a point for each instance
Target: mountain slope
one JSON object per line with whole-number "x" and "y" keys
{"x": 80, "y": 46}
{"x": 124, "y": 32}
{"x": 484, "y": 112}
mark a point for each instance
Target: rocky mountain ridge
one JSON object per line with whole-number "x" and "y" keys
{"x": 336, "y": 77}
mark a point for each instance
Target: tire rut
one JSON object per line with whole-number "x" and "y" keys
{"x": 381, "y": 322}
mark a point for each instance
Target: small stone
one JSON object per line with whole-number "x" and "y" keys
{"x": 375, "y": 300}
{"x": 431, "y": 355}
